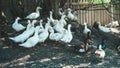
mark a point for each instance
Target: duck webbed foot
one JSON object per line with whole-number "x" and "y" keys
{"x": 32, "y": 49}
{"x": 42, "y": 44}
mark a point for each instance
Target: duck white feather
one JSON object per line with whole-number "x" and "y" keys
{"x": 68, "y": 35}
{"x": 32, "y": 41}
{"x": 62, "y": 21}
{"x": 41, "y": 25}
{"x": 17, "y": 26}
{"x": 51, "y": 18}
{"x": 86, "y": 29}
{"x": 60, "y": 11}
{"x": 100, "y": 53}
{"x": 75, "y": 15}
{"x": 70, "y": 15}
{"x": 103, "y": 29}
{"x": 44, "y": 34}
{"x": 57, "y": 27}
{"x": 32, "y": 28}
{"x": 55, "y": 36}
{"x": 26, "y": 34}
{"x": 34, "y": 15}
{"x": 112, "y": 24}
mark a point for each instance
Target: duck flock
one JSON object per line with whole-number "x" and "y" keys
{"x": 58, "y": 30}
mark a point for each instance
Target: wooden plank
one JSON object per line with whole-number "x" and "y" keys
{"x": 98, "y": 12}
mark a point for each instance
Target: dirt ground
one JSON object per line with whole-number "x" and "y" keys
{"x": 59, "y": 55}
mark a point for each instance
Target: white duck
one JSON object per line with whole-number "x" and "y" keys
{"x": 112, "y": 24}
{"x": 68, "y": 35}
{"x": 34, "y": 15}
{"x": 20, "y": 38}
{"x": 41, "y": 25}
{"x": 32, "y": 41}
{"x": 44, "y": 35}
{"x": 103, "y": 29}
{"x": 26, "y": 34}
{"x": 75, "y": 15}
{"x": 17, "y": 26}
{"x": 32, "y": 28}
{"x": 29, "y": 25}
{"x": 86, "y": 29}
{"x": 70, "y": 15}
{"x": 60, "y": 11}
{"x": 51, "y": 18}
{"x": 57, "y": 27}
{"x": 55, "y": 36}
{"x": 62, "y": 21}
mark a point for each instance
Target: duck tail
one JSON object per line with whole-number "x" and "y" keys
{"x": 21, "y": 44}
{"x": 11, "y": 38}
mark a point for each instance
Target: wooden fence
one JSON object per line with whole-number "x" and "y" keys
{"x": 90, "y": 12}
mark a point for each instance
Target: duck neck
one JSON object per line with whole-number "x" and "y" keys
{"x": 37, "y": 10}
{"x": 69, "y": 12}
{"x": 16, "y": 20}
{"x": 50, "y": 15}
{"x": 85, "y": 26}
{"x": 41, "y": 26}
{"x": 100, "y": 47}
{"x": 99, "y": 25}
{"x": 69, "y": 29}
{"x": 52, "y": 32}
{"x": 36, "y": 32}
{"x": 46, "y": 27}
{"x": 33, "y": 23}
{"x": 62, "y": 17}
{"x": 28, "y": 26}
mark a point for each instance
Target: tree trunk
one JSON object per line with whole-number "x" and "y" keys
{"x": 46, "y": 7}
{"x": 55, "y": 7}
{"x": 62, "y": 3}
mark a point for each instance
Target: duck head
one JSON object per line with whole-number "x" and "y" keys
{"x": 69, "y": 25}
{"x": 38, "y": 7}
{"x": 51, "y": 12}
{"x": 28, "y": 21}
{"x": 85, "y": 23}
{"x": 18, "y": 18}
{"x": 63, "y": 16}
{"x": 69, "y": 9}
{"x": 33, "y": 22}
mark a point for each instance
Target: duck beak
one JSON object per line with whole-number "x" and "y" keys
{"x": 40, "y": 8}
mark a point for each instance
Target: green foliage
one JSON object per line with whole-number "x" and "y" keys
{"x": 106, "y": 3}
{"x": 98, "y": 1}
{"x": 115, "y": 1}
{"x": 117, "y": 6}
{"x": 103, "y": 2}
